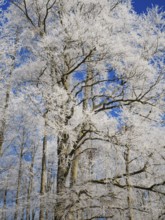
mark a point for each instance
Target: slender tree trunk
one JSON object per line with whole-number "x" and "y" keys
{"x": 3, "y": 123}
{"x": 3, "y": 120}
{"x": 4, "y": 203}
{"x": 7, "y": 97}
{"x": 23, "y": 203}
{"x": 30, "y": 187}
{"x": 88, "y": 104}
{"x": 43, "y": 173}
{"x": 18, "y": 183}
{"x": 128, "y": 183}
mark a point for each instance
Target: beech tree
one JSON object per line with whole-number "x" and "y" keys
{"x": 83, "y": 107}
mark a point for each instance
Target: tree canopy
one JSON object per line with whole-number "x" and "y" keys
{"x": 82, "y": 111}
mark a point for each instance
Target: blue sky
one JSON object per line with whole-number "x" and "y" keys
{"x": 139, "y": 5}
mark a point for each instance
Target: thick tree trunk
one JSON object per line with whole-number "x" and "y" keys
{"x": 86, "y": 105}
{"x": 62, "y": 173}
{"x": 74, "y": 169}
{"x": 63, "y": 163}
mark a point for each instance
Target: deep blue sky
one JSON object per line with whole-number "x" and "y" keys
{"x": 139, "y": 5}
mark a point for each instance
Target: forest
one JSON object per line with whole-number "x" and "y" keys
{"x": 82, "y": 111}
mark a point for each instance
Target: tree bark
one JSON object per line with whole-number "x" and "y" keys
{"x": 62, "y": 172}
{"x": 43, "y": 173}
{"x": 4, "y": 203}
{"x": 30, "y": 187}
{"x": 18, "y": 183}
{"x": 129, "y": 189}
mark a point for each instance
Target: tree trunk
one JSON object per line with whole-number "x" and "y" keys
{"x": 3, "y": 120}
{"x": 18, "y": 183}
{"x": 62, "y": 172}
{"x": 4, "y": 204}
{"x": 86, "y": 105}
{"x": 43, "y": 173}
{"x": 7, "y": 97}
{"x": 129, "y": 189}
{"x": 30, "y": 187}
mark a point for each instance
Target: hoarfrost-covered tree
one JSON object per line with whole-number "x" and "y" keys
{"x": 86, "y": 85}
